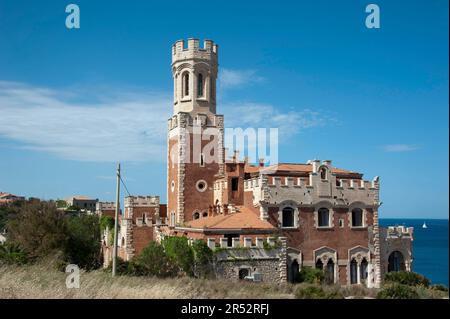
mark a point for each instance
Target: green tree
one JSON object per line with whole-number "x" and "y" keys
{"x": 153, "y": 261}
{"x": 83, "y": 244}
{"x": 38, "y": 228}
{"x": 178, "y": 249}
{"x": 203, "y": 259}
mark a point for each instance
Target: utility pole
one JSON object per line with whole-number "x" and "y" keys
{"x": 116, "y": 223}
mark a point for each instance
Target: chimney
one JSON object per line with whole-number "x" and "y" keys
{"x": 261, "y": 162}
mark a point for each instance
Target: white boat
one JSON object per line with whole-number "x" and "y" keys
{"x": 424, "y": 225}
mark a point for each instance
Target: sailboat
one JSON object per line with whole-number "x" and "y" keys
{"x": 424, "y": 225}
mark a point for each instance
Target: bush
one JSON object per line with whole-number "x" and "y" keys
{"x": 317, "y": 292}
{"x": 407, "y": 278}
{"x": 11, "y": 253}
{"x": 153, "y": 261}
{"x": 106, "y": 222}
{"x": 398, "y": 291}
{"x": 203, "y": 259}
{"x": 311, "y": 275}
{"x": 178, "y": 249}
{"x": 38, "y": 228}
{"x": 83, "y": 244}
{"x": 439, "y": 287}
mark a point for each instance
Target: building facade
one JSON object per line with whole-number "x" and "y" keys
{"x": 326, "y": 217}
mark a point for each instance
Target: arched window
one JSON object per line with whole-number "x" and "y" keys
{"x": 319, "y": 264}
{"x": 196, "y": 215}
{"x": 185, "y": 84}
{"x": 329, "y": 273}
{"x": 323, "y": 173}
{"x": 287, "y": 217}
{"x": 357, "y": 217}
{"x": 324, "y": 217}
{"x": 396, "y": 262}
{"x": 363, "y": 269}
{"x": 200, "y": 85}
{"x": 353, "y": 271}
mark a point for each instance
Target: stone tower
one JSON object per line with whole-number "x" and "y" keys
{"x": 195, "y": 132}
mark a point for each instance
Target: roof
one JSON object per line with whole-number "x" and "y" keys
{"x": 244, "y": 218}
{"x": 80, "y": 197}
{"x": 292, "y": 168}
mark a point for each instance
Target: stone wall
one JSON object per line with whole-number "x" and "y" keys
{"x": 268, "y": 263}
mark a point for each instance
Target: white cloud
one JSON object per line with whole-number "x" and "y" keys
{"x": 235, "y": 78}
{"x": 132, "y": 127}
{"x": 129, "y": 125}
{"x": 258, "y": 115}
{"x": 400, "y": 148}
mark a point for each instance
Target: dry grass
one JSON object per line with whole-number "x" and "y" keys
{"x": 38, "y": 281}
{"x": 43, "y": 281}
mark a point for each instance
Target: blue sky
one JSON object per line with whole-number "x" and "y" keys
{"x": 74, "y": 102}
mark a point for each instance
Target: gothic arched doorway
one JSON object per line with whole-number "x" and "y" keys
{"x": 293, "y": 274}
{"x": 396, "y": 262}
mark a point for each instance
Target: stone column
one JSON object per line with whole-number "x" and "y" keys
{"x": 376, "y": 245}
{"x": 283, "y": 260}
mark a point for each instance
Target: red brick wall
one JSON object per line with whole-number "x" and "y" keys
{"x": 141, "y": 238}
{"x": 308, "y": 238}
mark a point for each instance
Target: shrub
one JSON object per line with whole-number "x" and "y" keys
{"x": 83, "y": 244}
{"x": 11, "y": 253}
{"x": 397, "y": 291}
{"x": 407, "y": 278}
{"x": 178, "y": 249}
{"x": 317, "y": 292}
{"x": 153, "y": 261}
{"x": 106, "y": 222}
{"x": 203, "y": 259}
{"x": 38, "y": 228}
{"x": 439, "y": 287}
{"x": 311, "y": 275}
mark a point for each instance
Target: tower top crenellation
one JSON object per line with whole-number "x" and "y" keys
{"x": 193, "y": 50}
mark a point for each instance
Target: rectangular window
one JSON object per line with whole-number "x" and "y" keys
{"x": 234, "y": 184}
{"x": 324, "y": 217}
{"x": 202, "y": 160}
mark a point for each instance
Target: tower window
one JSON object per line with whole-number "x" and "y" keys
{"x": 234, "y": 184}
{"x": 324, "y": 217}
{"x": 200, "y": 85}
{"x": 357, "y": 217}
{"x": 287, "y": 217}
{"x": 186, "y": 84}
{"x": 323, "y": 173}
{"x": 202, "y": 160}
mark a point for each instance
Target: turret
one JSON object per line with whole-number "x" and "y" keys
{"x": 194, "y": 71}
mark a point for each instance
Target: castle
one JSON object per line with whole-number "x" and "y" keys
{"x": 288, "y": 216}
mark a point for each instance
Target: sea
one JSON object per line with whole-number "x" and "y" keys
{"x": 430, "y": 246}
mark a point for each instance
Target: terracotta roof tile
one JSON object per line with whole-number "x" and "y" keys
{"x": 287, "y": 167}
{"x": 243, "y": 219}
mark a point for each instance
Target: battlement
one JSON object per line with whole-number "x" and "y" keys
{"x": 105, "y": 206}
{"x": 398, "y": 232}
{"x": 247, "y": 242}
{"x": 193, "y": 50}
{"x": 141, "y": 201}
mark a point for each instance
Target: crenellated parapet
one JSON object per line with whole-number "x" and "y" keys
{"x": 141, "y": 201}
{"x": 193, "y": 50}
{"x": 320, "y": 184}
